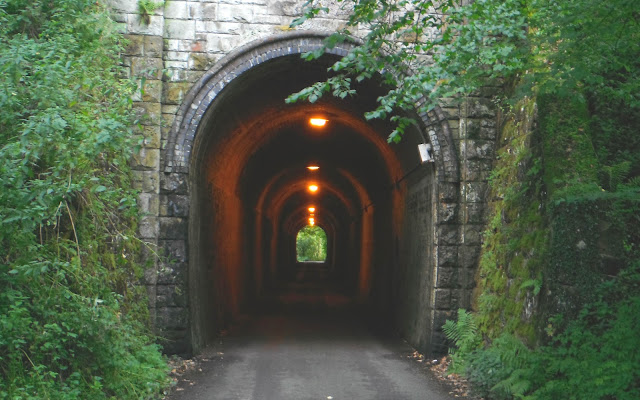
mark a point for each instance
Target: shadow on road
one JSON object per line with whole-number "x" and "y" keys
{"x": 308, "y": 340}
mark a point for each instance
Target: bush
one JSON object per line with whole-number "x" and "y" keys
{"x": 595, "y": 357}
{"x": 72, "y": 317}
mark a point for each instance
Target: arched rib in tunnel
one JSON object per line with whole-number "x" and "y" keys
{"x": 249, "y": 198}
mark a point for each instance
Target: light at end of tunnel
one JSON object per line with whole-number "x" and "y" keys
{"x": 312, "y": 209}
{"x": 313, "y": 188}
{"x": 313, "y": 167}
{"x": 318, "y": 122}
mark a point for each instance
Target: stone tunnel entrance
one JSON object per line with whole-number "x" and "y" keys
{"x": 245, "y": 154}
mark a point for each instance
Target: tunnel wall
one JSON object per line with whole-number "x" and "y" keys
{"x": 413, "y": 286}
{"x": 187, "y": 53}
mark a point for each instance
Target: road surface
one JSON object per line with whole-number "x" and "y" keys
{"x": 321, "y": 353}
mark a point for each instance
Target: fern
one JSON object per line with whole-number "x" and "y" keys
{"x": 464, "y": 334}
{"x": 634, "y": 182}
{"x": 503, "y": 370}
{"x": 536, "y": 284}
{"x": 516, "y": 385}
{"x": 612, "y": 176}
{"x": 512, "y": 351}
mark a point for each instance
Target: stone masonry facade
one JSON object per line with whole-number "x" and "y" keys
{"x": 189, "y": 47}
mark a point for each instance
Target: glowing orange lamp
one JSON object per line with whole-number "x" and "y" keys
{"x": 318, "y": 122}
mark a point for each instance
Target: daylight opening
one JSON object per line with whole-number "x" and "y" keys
{"x": 311, "y": 244}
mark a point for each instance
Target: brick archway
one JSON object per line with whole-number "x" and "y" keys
{"x": 185, "y": 127}
{"x": 177, "y": 162}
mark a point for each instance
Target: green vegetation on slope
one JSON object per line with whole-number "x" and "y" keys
{"x": 557, "y": 297}
{"x": 559, "y": 270}
{"x": 72, "y": 318}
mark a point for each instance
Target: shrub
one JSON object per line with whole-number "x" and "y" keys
{"x": 594, "y": 357}
{"x": 464, "y": 335}
{"x": 72, "y": 317}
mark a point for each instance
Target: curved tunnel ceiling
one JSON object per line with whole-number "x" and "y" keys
{"x": 257, "y": 147}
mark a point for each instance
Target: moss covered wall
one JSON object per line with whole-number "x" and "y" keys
{"x": 515, "y": 242}
{"x": 554, "y": 232}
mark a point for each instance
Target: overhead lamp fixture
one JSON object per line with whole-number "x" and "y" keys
{"x": 425, "y": 153}
{"x": 312, "y": 221}
{"x": 312, "y": 209}
{"x": 313, "y": 188}
{"x": 313, "y": 167}
{"x": 318, "y": 122}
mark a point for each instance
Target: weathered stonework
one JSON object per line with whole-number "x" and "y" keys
{"x": 187, "y": 54}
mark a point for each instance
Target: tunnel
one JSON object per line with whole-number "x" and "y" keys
{"x": 249, "y": 192}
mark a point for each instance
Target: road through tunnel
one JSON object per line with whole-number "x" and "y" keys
{"x": 252, "y": 188}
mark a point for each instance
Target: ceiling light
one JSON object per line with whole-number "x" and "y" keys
{"x": 312, "y": 209}
{"x": 313, "y": 167}
{"x": 319, "y": 122}
{"x": 313, "y": 188}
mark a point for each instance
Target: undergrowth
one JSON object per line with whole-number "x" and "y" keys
{"x": 73, "y": 319}
{"x": 594, "y": 357}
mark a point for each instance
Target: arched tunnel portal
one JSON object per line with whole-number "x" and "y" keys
{"x": 245, "y": 154}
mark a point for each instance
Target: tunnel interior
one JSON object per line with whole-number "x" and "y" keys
{"x": 249, "y": 191}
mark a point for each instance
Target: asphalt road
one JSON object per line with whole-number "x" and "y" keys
{"x": 309, "y": 353}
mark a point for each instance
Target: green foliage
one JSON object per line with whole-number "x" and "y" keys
{"x": 65, "y": 336}
{"x": 500, "y": 370}
{"x": 71, "y": 313}
{"x": 430, "y": 50}
{"x": 311, "y": 244}
{"x": 464, "y": 334}
{"x": 560, "y": 243}
{"x": 535, "y": 284}
{"x": 594, "y": 237}
{"x": 146, "y": 8}
{"x": 566, "y": 141}
{"x": 516, "y": 240}
{"x": 595, "y": 357}
{"x": 559, "y": 247}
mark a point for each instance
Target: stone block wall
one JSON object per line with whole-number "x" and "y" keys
{"x": 462, "y": 209}
{"x": 181, "y": 43}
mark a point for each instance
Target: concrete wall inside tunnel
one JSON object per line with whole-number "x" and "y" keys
{"x": 235, "y": 158}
